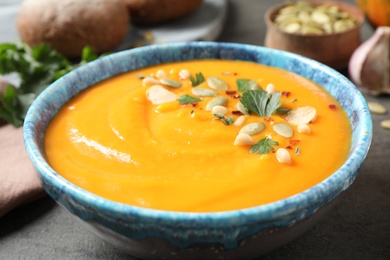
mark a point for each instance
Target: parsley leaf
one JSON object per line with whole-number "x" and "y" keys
{"x": 262, "y": 103}
{"x": 37, "y": 68}
{"x": 187, "y": 99}
{"x": 263, "y": 146}
{"x": 246, "y": 84}
{"x": 199, "y": 79}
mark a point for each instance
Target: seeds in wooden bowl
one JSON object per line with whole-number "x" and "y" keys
{"x": 306, "y": 18}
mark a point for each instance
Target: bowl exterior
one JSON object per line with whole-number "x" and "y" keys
{"x": 333, "y": 50}
{"x": 134, "y": 227}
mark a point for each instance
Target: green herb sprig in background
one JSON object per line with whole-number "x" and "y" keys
{"x": 37, "y": 68}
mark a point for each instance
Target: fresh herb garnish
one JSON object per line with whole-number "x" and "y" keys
{"x": 37, "y": 68}
{"x": 297, "y": 150}
{"x": 199, "y": 79}
{"x": 225, "y": 120}
{"x": 262, "y": 103}
{"x": 187, "y": 99}
{"x": 246, "y": 84}
{"x": 263, "y": 146}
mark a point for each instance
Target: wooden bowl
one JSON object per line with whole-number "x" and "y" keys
{"x": 334, "y": 49}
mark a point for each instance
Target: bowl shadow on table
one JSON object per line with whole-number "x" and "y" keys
{"x": 25, "y": 215}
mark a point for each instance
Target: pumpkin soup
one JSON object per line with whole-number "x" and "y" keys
{"x": 199, "y": 136}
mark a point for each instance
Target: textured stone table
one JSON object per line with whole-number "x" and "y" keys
{"x": 358, "y": 228}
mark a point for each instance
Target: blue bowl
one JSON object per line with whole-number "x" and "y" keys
{"x": 244, "y": 233}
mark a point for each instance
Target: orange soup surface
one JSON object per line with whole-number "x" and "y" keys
{"x": 154, "y": 138}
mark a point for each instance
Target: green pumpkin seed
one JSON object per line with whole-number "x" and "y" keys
{"x": 170, "y": 83}
{"x": 203, "y": 92}
{"x": 217, "y": 101}
{"x": 252, "y": 128}
{"x": 283, "y": 129}
{"x": 216, "y": 83}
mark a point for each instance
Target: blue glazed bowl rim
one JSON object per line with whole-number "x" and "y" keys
{"x": 317, "y": 195}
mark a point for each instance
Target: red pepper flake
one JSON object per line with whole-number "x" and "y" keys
{"x": 294, "y": 142}
{"x": 286, "y": 93}
{"x": 234, "y": 73}
{"x": 193, "y": 104}
{"x": 237, "y": 112}
{"x": 332, "y": 106}
{"x": 236, "y": 96}
{"x": 231, "y": 92}
{"x": 268, "y": 119}
{"x": 289, "y": 147}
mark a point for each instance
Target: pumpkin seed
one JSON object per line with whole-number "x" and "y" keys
{"x": 243, "y": 139}
{"x": 385, "y": 124}
{"x": 304, "y": 17}
{"x": 217, "y": 101}
{"x": 216, "y": 83}
{"x": 304, "y": 129}
{"x": 283, "y": 156}
{"x": 320, "y": 17}
{"x": 161, "y": 74}
{"x": 377, "y": 108}
{"x": 283, "y": 129}
{"x": 301, "y": 115}
{"x": 292, "y": 9}
{"x": 149, "y": 81}
{"x": 311, "y": 30}
{"x": 239, "y": 121}
{"x": 292, "y": 27}
{"x": 159, "y": 95}
{"x": 184, "y": 74}
{"x": 203, "y": 92}
{"x": 270, "y": 88}
{"x": 341, "y": 25}
{"x": 286, "y": 18}
{"x": 240, "y": 107}
{"x": 219, "y": 110}
{"x": 252, "y": 128}
{"x": 170, "y": 83}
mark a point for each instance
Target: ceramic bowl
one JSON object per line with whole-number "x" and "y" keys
{"x": 238, "y": 234}
{"x": 333, "y": 49}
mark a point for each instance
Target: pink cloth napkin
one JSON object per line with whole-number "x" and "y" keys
{"x": 19, "y": 182}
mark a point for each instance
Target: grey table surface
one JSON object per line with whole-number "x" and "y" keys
{"x": 357, "y": 228}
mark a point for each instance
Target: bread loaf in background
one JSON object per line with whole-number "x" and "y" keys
{"x": 149, "y": 12}
{"x": 69, "y": 25}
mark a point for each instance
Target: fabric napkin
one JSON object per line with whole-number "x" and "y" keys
{"x": 19, "y": 182}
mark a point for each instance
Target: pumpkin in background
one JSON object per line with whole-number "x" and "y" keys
{"x": 377, "y": 11}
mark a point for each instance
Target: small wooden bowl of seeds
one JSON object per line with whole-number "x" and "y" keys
{"x": 326, "y": 31}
